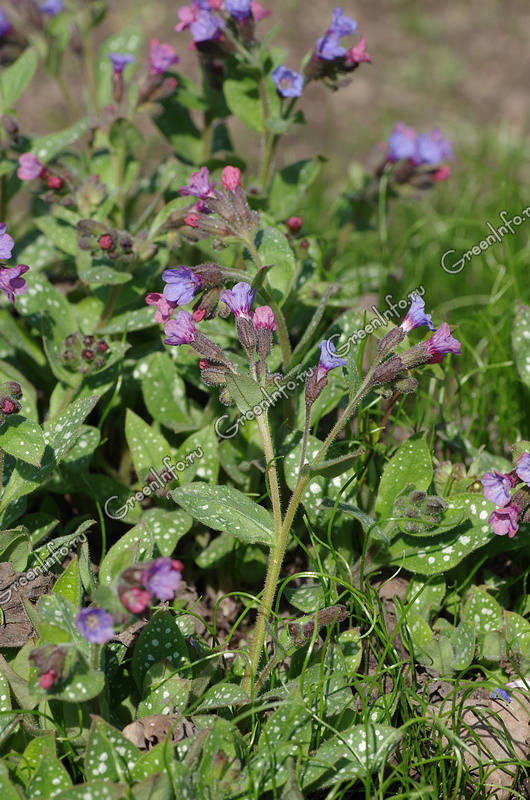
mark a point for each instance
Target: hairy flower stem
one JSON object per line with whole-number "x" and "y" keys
{"x": 277, "y": 552}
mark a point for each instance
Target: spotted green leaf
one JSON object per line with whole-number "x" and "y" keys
{"x": 35, "y": 752}
{"x": 222, "y": 695}
{"x": 164, "y": 691}
{"x": 198, "y": 457}
{"x": 517, "y": 632}
{"x": 521, "y": 341}
{"x": 50, "y": 779}
{"x": 68, "y": 584}
{"x": 64, "y": 237}
{"x": 22, "y": 438}
{"x": 411, "y": 464}
{"x": 109, "y": 754}
{"x": 242, "y": 98}
{"x": 164, "y": 392}
{"x": 274, "y": 248}
{"x": 147, "y": 445}
{"x": 47, "y": 147}
{"x": 425, "y": 596}
{"x": 166, "y": 527}
{"x": 160, "y": 640}
{"x": 15, "y": 78}
{"x": 226, "y": 509}
{"x": 134, "y": 546}
{"x": 6, "y": 720}
{"x": 483, "y": 612}
{"x": 215, "y": 551}
{"x": 290, "y": 184}
{"x": 95, "y": 790}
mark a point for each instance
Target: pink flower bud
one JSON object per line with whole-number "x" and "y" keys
{"x": 231, "y": 178}
{"x": 264, "y": 318}
{"x": 47, "y": 679}
{"x": 294, "y": 224}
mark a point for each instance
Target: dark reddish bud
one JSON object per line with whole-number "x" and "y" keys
{"x": 202, "y": 363}
{"x": 199, "y": 314}
{"x": 294, "y": 224}
{"x": 304, "y": 243}
{"x": 88, "y": 341}
{"x": 14, "y": 389}
{"x": 102, "y": 346}
{"x": 54, "y": 182}
{"x": 105, "y": 242}
{"x": 47, "y": 679}
{"x": 8, "y": 406}
{"x": 88, "y": 355}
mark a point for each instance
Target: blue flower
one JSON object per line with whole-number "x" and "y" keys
{"x": 328, "y": 46}
{"x": 95, "y": 624}
{"x": 120, "y": 60}
{"x": 416, "y": 315}
{"x": 5, "y": 25}
{"x": 206, "y": 27}
{"x": 240, "y": 9}
{"x": 6, "y": 243}
{"x": 402, "y": 142}
{"x": 52, "y": 7}
{"x": 328, "y": 359}
{"x": 432, "y": 148}
{"x": 288, "y": 82}
{"x": 502, "y": 694}
{"x": 180, "y": 330}
{"x": 496, "y": 487}
{"x": 522, "y": 467}
{"x": 182, "y": 284}
{"x": 239, "y": 299}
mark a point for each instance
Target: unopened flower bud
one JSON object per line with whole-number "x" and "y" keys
{"x": 106, "y": 242}
{"x": 294, "y": 224}
{"x": 246, "y": 333}
{"x": 54, "y": 182}
{"x": 117, "y": 86}
{"x": 13, "y": 388}
{"x": 387, "y": 371}
{"x": 102, "y": 346}
{"x": 8, "y": 406}
{"x": 406, "y": 385}
{"x": 390, "y": 341}
{"x": 87, "y": 354}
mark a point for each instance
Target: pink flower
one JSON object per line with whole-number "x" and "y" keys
{"x": 30, "y": 167}
{"x": 11, "y": 282}
{"x": 135, "y": 600}
{"x": 264, "y": 318}
{"x": 164, "y": 307}
{"x": 505, "y": 520}
{"x": 294, "y": 224}
{"x": 231, "y": 178}
{"x": 358, "y": 53}
{"x": 161, "y": 57}
{"x": 47, "y": 679}
{"x": 258, "y": 11}
{"x": 522, "y": 467}
{"x": 442, "y": 174}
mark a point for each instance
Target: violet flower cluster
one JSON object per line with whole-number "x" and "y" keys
{"x": 10, "y": 281}
{"x": 207, "y": 19}
{"x": 420, "y": 149}
{"x": 512, "y": 508}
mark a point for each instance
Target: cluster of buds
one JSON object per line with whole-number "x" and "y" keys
{"x": 330, "y": 58}
{"x": 217, "y": 213}
{"x": 50, "y": 663}
{"x": 30, "y": 167}
{"x": 84, "y": 354}
{"x": 513, "y": 508}
{"x": 97, "y": 237}
{"x": 419, "y": 512}
{"x": 10, "y": 394}
{"x": 213, "y": 23}
{"x": 90, "y": 195}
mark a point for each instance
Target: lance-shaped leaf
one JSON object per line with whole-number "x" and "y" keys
{"x": 246, "y": 393}
{"x": 22, "y": 438}
{"x": 15, "y": 78}
{"x": 108, "y": 753}
{"x": 226, "y": 509}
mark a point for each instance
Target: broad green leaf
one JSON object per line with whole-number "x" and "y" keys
{"x": 164, "y": 691}
{"x": 23, "y": 439}
{"x": 60, "y": 434}
{"x": 436, "y": 554}
{"x": 148, "y": 447}
{"x": 64, "y": 237}
{"x": 482, "y": 612}
{"x": 6, "y": 787}
{"x": 290, "y": 184}
{"x": 411, "y": 464}
{"x": 42, "y": 296}
{"x": 15, "y": 78}
{"x": 246, "y": 393}
{"x": 176, "y": 124}
{"x": 50, "y": 779}
{"x": 133, "y": 547}
{"x": 306, "y": 598}
{"x": 521, "y": 341}
{"x": 222, "y": 695}
{"x": 166, "y": 527}
{"x": 215, "y": 551}
{"x": 51, "y": 145}
{"x": 164, "y": 392}
{"x": 95, "y": 790}
{"x": 243, "y": 99}
{"x": 198, "y": 457}
{"x": 15, "y": 546}
{"x": 109, "y": 754}
{"x": 160, "y": 640}
{"x": 226, "y": 509}
{"x": 136, "y": 320}
{"x": 35, "y": 752}
{"x": 6, "y": 720}
{"x": 369, "y": 526}
{"x": 462, "y": 640}
{"x": 59, "y": 611}
{"x": 104, "y": 276}
{"x": 69, "y": 583}
{"x": 517, "y": 632}
{"x": 274, "y": 249}
{"x": 427, "y": 594}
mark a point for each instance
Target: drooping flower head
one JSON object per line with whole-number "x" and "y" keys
{"x": 52, "y": 7}
{"x": 440, "y": 343}
{"x": 358, "y": 53}
{"x": 5, "y": 25}
{"x": 95, "y": 624}
{"x": 328, "y": 46}
{"x": 161, "y": 57}
{"x": 199, "y": 186}
{"x": 497, "y": 487}
{"x": 288, "y": 82}
{"x": 328, "y": 359}
{"x": 239, "y": 9}
{"x": 6, "y": 243}
{"x": 135, "y": 599}
{"x": 231, "y": 178}
{"x": 10, "y": 281}
{"x": 239, "y": 299}
{"x": 431, "y": 148}
{"x": 120, "y": 60}
{"x": 264, "y": 318}
{"x": 416, "y": 315}
{"x": 164, "y": 308}
{"x": 30, "y": 167}
{"x": 522, "y": 467}
{"x": 182, "y": 285}
{"x": 401, "y": 142}
{"x": 163, "y": 577}
{"x": 180, "y": 330}
{"x": 505, "y": 520}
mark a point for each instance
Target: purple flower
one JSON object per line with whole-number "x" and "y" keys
{"x": 431, "y": 148}
{"x": 120, "y": 60}
{"x": 239, "y": 299}
{"x": 52, "y": 7}
{"x": 502, "y": 693}
{"x": 497, "y": 487}
{"x": 328, "y": 359}
{"x": 162, "y": 577}
{"x": 401, "y": 142}
{"x": 164, "y": 309}
{"x": 11, "y": 282}
{"x": 180, "y": 330}
{"x": 5, "y": 25}
{"x": 95, "y": 624}
{"x": 505, "y": 520}
{"x": 440, "y": 343}
{"x": 200, "y": 186}
{"x": 161, "y": 57}
{"x": 30, "y": 167}
{"x": 240, "y": 9}
{"x": 288, "y": 82}
{"x": 6, "y": 242}
{"x": 328, "y": 46}
{"x": 206, "y": 27}
{"x": 182, "y": 284}
{"x": 188, "y": 14}
{"x": 522, "y": 467}
{"x": 416, "y": 315}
